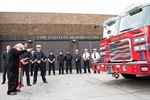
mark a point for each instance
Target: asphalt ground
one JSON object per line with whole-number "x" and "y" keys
{"x": 81, "y": 87}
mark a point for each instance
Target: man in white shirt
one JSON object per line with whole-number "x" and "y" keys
{"x": 95, "y": 57}
{"x": 86, "y": 57}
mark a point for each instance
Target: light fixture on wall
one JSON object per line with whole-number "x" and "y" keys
{"x": 74, "y": 41}
{"x": 29, "y": 41}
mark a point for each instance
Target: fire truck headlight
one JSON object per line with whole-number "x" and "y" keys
{"x": 102, "y": 48}
{"x": 136, "y": 48}
{"x": 136, "y": 40}
{"x": 102, "y": 53}
{"x": 144, "y": 69}
{"x": 142, "y": 39}
{"x": 143, "y": 47}
{"x": 139, "y": 40}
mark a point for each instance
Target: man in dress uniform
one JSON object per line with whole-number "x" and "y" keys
{"x": 13, "y": 64}
{"x": 51, "y": 60}
{"x": 38, "y": 58}
{"x": 86, "y": 57}
{"x": 95, "y": 57}
{"x": 61, "y": 59}
{"x": 25, "y": 64}
{"x": 77, "y": 60}
{"x": 68, "y": 58}
{"x": 4, "y": 58}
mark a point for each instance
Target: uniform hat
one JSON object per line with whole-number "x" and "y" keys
{"x": 76, "y": 50}
{"x": 94, "y": 49}
{"x": 38, "y": 46}
{"x": 51, "y": 51}
{"x": 85, "y": 49}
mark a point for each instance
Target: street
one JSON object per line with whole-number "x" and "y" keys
{"x": 82, "y": 87}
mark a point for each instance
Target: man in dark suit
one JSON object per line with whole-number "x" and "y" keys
{"x": 68, "y": 58}
{"x": 4, "y": 58}
{"x": 61, "y": 59}
{"x": 51, "y": 60}
{"x": 13, "y": 64}
{"x": 25, "y": 63}
{"x": 38, "y": 58}
{"x": 77, "y": 60}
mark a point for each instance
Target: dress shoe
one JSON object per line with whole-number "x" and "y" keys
{"x": 45, "y": 81}
{"x": 3, "y": 82}
{"x": 34, "y": 82}
{"x": 29, "y": 85}
{"x": 17, "y": 90}
{"x": 12, "y": 93}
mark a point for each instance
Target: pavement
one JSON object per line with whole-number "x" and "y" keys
{"x": 81, "y": 87}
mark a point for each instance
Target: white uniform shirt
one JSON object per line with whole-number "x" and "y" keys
{"x": 86, "y": 55}
{"x": 95, "y": 57}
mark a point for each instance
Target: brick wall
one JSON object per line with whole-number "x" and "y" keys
{"x": 18, "y": 23}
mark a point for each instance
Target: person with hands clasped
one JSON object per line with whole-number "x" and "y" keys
{"x": 51, "y": 60}
{"x": 86, "y": 58}
{"x": 38, "y": 59}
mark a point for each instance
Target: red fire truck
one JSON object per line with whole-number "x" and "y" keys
{"x": 125, "y": 47}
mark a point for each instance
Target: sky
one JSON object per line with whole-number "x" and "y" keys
{"x": 113, "y": 7}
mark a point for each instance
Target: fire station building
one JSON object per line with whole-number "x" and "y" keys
{"x": 53, "y": 31}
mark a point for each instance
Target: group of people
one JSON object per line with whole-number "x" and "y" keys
{"x": 32, "y": 61}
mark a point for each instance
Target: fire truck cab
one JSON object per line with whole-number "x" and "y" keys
{"x": 125, "y": 47}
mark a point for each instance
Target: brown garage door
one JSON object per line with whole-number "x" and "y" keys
{"x": 3, "y": 48}
{"x": 88, "y": 45}
{"x": 55, "y": 46}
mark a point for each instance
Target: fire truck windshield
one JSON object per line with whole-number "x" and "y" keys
{"x": 135, "y": 20}
{"x": 111, "y": 30}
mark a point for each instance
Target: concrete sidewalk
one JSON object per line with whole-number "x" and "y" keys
{"x": 81, "y": 87}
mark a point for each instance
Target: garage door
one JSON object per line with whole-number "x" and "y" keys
{"x": 3, "y": 48}
{"x": 88, "y": 45}
{"x": 55, "y": 46}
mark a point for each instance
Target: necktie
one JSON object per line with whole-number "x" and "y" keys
{"x": 94, "y": 55}
{"x": 85, "y": 55}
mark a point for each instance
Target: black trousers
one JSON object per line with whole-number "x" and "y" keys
{"x": 12, "y": 81}
{"x": 4, "y": 72}
{"x": 44, "y": 67}
{"x": 87, "y": 65}
{"x": 78, "y": 67}
{"x": 61, "y": 68}
{"x": 51, "y": 66}
{"x": 68, "y": 64}
{"x": 26, "y": 69}
{"x": 36, "y": 67}
{"x": 31, "y": 68}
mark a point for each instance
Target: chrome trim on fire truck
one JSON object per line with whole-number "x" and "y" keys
{"x": 139, "y": 62}
{"x": 125, "y": 54}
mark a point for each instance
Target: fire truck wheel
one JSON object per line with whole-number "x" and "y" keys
{"x": 129, "y": 76}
